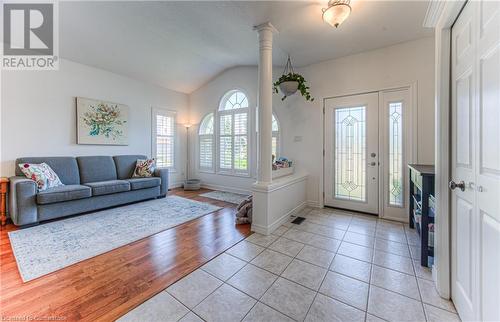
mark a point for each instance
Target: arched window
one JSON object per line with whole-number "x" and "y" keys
{"x": 276, "y": 134}
{"x": 276, "y": 137}
{"x": 206, "y": 143}
{"x": 233, "y": 133}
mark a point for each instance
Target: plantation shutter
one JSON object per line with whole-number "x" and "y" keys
{"x": 164, "y": 137}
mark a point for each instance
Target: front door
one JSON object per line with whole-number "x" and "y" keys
{"x": 475, "y": 208}
{"x": 351, "y": 152}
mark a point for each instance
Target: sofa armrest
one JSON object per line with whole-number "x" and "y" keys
{"x": 163, "y": 175}
{"x": 22, "y": 201}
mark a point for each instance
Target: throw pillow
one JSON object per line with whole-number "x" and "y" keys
{"x": 144, "y": 168}
{"x": 42, "y": 174}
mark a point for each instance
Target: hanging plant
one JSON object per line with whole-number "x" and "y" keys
{"x": 290, "y": 82}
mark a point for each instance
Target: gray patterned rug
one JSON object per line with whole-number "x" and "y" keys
{"x": 225, "y": 196}
{"x": 49, "y": 247}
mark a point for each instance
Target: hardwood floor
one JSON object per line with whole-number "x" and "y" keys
{"x": 107, "y": 286}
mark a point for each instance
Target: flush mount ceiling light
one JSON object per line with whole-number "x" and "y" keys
{"x": 337, "y": 12}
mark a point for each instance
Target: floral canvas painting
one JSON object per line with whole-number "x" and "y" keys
{"x": 101, "y": 122}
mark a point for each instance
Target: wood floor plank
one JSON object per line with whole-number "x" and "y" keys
{"x": 107, "y": 286}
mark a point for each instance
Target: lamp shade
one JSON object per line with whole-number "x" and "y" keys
{"x": 337, "y": 12}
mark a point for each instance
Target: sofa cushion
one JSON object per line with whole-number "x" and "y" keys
{"x": 96, "y": 168}
{"x": 42, "y": 174}
{"x": 143, "y": 183}
{"x": 63, "y": 193}
{"x": 65, "y": 167}
{"x": 108, "y": 187}
{"x": 125, "y": 165}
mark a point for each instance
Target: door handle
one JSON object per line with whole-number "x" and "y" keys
{"x": 453, "y": 185}
{"x": 373, "y": 163}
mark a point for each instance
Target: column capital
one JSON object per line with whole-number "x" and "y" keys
{"x": 265, "y": 26}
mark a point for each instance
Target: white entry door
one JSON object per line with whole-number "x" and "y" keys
{"x": 351, "y": 152}
{"x": 475, "y": 159}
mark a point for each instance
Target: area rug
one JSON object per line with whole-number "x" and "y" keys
{"x": 49, "y": 247}
{"x": 225, "y": 196}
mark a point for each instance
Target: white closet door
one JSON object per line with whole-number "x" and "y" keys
{"x": 476, "y": 161}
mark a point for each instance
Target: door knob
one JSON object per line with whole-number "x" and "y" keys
{"x": 453, "y": 185}
{"x": 373, "y": 163}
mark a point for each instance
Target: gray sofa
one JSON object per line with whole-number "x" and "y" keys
{"x": 90, "y": 183}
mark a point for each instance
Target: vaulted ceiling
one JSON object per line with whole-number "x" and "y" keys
{"x": 181, "y": 45}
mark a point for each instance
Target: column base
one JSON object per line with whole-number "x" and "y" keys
{"x": 274, "y": 202}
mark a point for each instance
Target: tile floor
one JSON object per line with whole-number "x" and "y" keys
{"x": 335, "y": 266}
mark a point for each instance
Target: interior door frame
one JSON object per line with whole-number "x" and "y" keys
{"x": 413, "y": 134}
{"x": 441, "y": 15}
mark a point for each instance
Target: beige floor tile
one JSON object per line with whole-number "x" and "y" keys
{"x": 393, "y": 306}
{"x": 280, "y": 231}
{"x": 361, "y": 229}
{"x": 223, "y": 266}
{"x": 435, "y": 314}
{"x": 263, "y": 313}
{"x": 395, "y": 281}
{"x": 392, "y": 247}
{"x": 289, "y": 298}
{"x": 287, "y": 246}
{"x": 316, "y": 256}
{"x": 272, "y": 261}
{"x": 421, "y": 271}
{"x": 305, "y": 274}
{"x": 431, "y": 296}
{"x": 345, "y": 289}
{"x": 190, "y": 317}
{"x": 252, "y": 280}
{"x": 298, "y": 235}
{"x": 325, "y": 308}
{"x": 225, "y": 304}
{"x": 245, "y": 250}
{"x": 261, "y": 240}
{"x": 359, "y": 239}
{"x": 356, "y": 251}
{"x": 415, "y": 252}
{"x": 373, "y": 318}
{"x": 351, "y": 267}
{"x": 322, "y": 230}
{"x": 326, "y": 243}
{"x": 192, "y": 289}
{"x": 161, "y": 307}
{"x": 395, "y": 262}
{"x": 390, "y": 234}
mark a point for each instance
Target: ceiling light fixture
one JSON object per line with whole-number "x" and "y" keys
{"x": 337, "y": 12}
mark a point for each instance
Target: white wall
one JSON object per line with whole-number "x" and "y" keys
{"x": 301, "y": 121}
{"x": 38, "y": 113}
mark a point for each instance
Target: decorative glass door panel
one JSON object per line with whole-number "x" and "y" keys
{"x": 396, "y": 154}
{"x": 350, "y": 153}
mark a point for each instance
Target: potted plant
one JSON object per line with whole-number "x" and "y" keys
{"x": 290, "y": 82}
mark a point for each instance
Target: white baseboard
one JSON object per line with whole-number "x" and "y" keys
{"x": 313, "y": 204}
{"x": 178, "y": 184}
{"x": 283, "y": 219}
{"x": 226, "y": 189}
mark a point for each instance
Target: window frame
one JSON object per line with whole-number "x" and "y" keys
{"x": 155, "y": 111}
{"x": 222, "y": 112}
{"x": 275, "y": 134}
{"x": 214, "y": 145}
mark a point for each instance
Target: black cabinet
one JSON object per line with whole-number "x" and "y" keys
{"x": 422, "y": 210}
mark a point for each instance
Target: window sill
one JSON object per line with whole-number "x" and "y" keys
{"x": 233, "y": 174}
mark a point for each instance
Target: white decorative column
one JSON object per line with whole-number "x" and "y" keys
{"x": 265, "y": 101}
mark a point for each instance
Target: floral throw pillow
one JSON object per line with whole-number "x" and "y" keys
{"x": 144, "y": 168}
{"x": 42, "y": 174}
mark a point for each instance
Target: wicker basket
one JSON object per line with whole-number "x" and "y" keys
{"x": 192, "y": 184}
